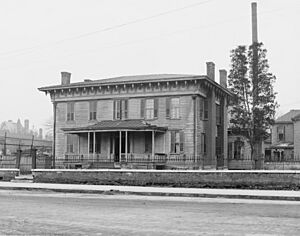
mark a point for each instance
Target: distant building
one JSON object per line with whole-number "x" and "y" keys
{"x": 178, "y": 119}
{"x": 16, "y": 129}
{"x": 285, "y": 141}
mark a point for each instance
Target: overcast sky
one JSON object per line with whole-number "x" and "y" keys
{"x": 103, "y": 38}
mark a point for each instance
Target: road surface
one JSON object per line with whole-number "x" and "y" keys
{"x": 47, "y": 213}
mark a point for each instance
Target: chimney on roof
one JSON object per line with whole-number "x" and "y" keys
{"x": 210, "y": 70}
{"x": 65, "y": 78}
{"x": 223, "y": 78}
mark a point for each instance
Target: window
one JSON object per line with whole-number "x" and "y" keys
{"x": 70, "y": 111}
{"x": 203, "y": 143}
{"x": 93, "y": 110}
{"x": 175, "y": 108}
{"x": 218, "y": 114}
{"x": 201, "y": 103}
{"x": 70, "y": 143}
{"x": 177, "y": 141}
{"x": 149, "y": 108}
{"x": 281, "y": 133}
{"x": 120, "y": 109}
{"x": 205, "y": 109}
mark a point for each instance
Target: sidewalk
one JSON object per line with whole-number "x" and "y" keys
{"x": 156, "y": 191}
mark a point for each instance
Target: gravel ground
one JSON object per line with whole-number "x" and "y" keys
{"x": 47, "y": 213}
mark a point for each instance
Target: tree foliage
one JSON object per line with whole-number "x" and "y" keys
{"x": 253, "y": 111}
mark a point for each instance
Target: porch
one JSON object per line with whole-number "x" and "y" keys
{"x": 112, "y": 144}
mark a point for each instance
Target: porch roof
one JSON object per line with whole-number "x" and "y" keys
{"x": 116, "y": 125}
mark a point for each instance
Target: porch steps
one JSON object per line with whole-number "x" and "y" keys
{"x": 23, "y": 179}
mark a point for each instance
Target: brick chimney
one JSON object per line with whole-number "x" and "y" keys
{"x": 223, "y": 78}
{"x": 65, "y": 78}
{"x": 210, "y": 70}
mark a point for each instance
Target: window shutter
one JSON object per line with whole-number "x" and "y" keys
{"x": 155, "y": 107}
{"x": 172, "y": 141}
{"x": 201, "y": 108}
{"x": 181, "y": 141}
{"x": 142, "y": 108}
{"x": 114, "y": 109}
{"x": 168, "y": 107}
{"x": 125, "y": 109}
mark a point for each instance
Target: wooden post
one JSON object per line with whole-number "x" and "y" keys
{"x": 54, "y": 132}
{"x": 88, "y": 155}
{"x": 94, "y": 144}
{"x": 18, "y": 159}
{"x": 33, "y": 156}
{"x": 126, "y": 144}
{"x": 153, "y": 145}
{"x": 78, "y": 144}
{"x": 120, "y": 146}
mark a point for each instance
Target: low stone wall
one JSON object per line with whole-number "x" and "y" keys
{"x": 282, "y": 165}
{"x": 240, "y": 164}
{"x": 174, "y": 178}
{"x": 8, "y": 174}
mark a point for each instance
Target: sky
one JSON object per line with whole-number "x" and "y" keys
{"x": 95, "y": 39}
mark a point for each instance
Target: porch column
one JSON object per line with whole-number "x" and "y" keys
{"x": 120, "y": 146}
{"x": 126, "y": 141}
{"x": 94, "y": 144}
{"x": 153, "y": 145}
{"x": 88, "y": 149}
{"x": 78, "y": 145}
{"x": 232, "y": 150}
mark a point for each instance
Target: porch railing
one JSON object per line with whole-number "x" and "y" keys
{"x": 94, "y": 161}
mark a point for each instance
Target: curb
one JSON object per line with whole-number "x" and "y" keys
{"x": 167, "y": 194}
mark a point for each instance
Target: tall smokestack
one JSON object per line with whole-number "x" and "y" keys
{"x": 254, "y": 22}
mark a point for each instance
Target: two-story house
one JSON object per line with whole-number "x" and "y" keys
{"x": 285, "y": 140}
{"x": 151, "y": 121}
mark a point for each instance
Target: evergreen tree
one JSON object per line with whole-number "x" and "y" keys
{"x": 253, "y": 110}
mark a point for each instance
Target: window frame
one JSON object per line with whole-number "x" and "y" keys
{"x": 93, "y": 110}
{"x": 177, "y": 142}
{"x": 70, "y": 111}
{"x": 70, "y": 143}
{"x": 175, "y": 108}
{"x": 120, "y": 109}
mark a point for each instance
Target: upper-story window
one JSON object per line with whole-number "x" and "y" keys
{"x": 281, "y": 133}
{"x": 205, "y": 109}
{"x": 120, "y": 109}
{"x": 173, "y": 108}
{"x": 70, "y": 111}
{"x": 149, "y": 108}
{"x": 218, "y": 114}
{"x": 93, "y": 110}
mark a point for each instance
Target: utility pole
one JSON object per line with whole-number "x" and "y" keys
{"x": 258, "y": 143}
{"x": 4, "y": 146}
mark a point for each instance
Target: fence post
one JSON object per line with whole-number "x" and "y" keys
{"x": 18, "y": 158}
{"x": 33, "y": 156}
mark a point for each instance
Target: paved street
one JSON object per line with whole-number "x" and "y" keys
{"x": 41, "y": 213}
